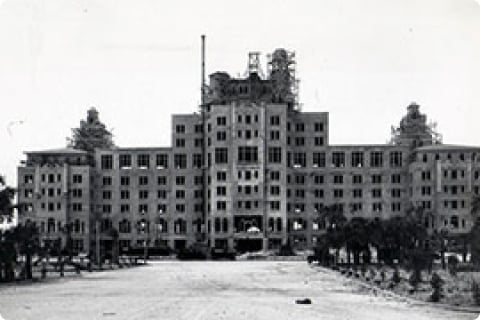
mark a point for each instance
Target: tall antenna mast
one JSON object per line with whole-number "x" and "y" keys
{"x": 203, "y": 73}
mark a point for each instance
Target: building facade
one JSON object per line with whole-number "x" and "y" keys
{"x": 250, "y": 171}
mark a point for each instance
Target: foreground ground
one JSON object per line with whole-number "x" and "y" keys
{"x": 210, "y": 290}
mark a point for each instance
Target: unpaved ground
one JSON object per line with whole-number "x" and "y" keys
{"x": 209, "y": 290}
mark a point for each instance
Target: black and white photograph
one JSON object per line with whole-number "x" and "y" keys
{"x": 239, "y": 160}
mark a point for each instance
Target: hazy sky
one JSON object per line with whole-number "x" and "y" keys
{"x": 139, "y": 61}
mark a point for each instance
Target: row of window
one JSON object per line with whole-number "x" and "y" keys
{"x": 339, "y": 193}
{"x": 143, "y": 161}
{"x": 51, "y": 178}
{"x": 340, "y": 179}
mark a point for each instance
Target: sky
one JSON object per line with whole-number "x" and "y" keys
{"x": 138, "y": 62}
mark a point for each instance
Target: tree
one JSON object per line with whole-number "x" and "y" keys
{"x": 474, "y": 236}
{"x": 26, "y": 237}
{"x": 332, "y": 217}
{"x": 91, "y": 134}
{"x": 8, "y": 255}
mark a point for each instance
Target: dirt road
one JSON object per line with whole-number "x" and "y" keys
{"x": 209, "y": 290}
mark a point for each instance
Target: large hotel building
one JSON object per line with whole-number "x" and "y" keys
{"x": 249, "y": 171}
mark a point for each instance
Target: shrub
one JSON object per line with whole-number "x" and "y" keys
{"x": 437, "y": 286}
{"x": 396, "y": 277}
{"x": 383, "y": 275}
{"x": 414, "y": 279}
{"x": 286, "y": 250}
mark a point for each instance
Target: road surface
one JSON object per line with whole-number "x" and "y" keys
{"x": 209, "y": 290}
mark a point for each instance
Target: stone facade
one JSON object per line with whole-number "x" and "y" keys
{"x": 250, "y": 171}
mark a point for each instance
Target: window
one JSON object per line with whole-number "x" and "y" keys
{"x": 77, "y": 178}
{"x": 274, "y": 175}
{"x": 247, "y": 154}
{"x": 221, "y": 176}
{"x": 124, "y": 194}
{"x": 357, "y": 179}
{"x": 143, "y": 180}
{"x": 376, "y": 193}
{"x": 357, "y": 159}
{"x": 300, "y": 127}
{"x": 318, "y": 193}
{"x": 275, "y": 205}
{"x": 143, "y": 161}
{"x": 106, "y": 195}
{"x": 180, "y": 143}
{"x": 221, "y": 191}
{"x": 319, "y": 179}
{"x": 274, "y": 135}
{"x": 180, "y": 194}
{"x": 299, "y": 141}
{"x": 395, "y": 159}
{"x": 76, "y": 193}
{"x": 376, "y": 178}
{"x": 426, "y": 175}
{"x": 275, "y": 154}
{"x": 337, "y": 179}
{"x": 221, "y": 155}
{"x": 197, "y": 160}
{"x": 428, "y": 191}
{"x": 143, "y": 208}
{"x": 124, "y": 181}
{"x": 180, "y": 128}
{"x": 180, "y": 180}
{"x": 198, "y": 128}
{"x": 299, "y": 159}
{"x": 376, "y": 159}
{"x": 396, "y": 206}
{"x": 162, "y": 161}
{"x": 143, "y": 194}
{"x": 180, "y": 160}
{"x": 125, "y": 161}
{"x": 396, "y": 193}
{"x": 221, "y": 121}
{"x": 248, "y": 119}
{"x": 377, "y": 207}
{"x": 162, "y": 194}
{"x": 76, "y": 207}
{"x": 221, "y": 205}
{"x": 396, "y": 178}
{"x": 180, "y": 207}
{"x": 357, "y": 193}
{"x": 318, "y": 126}
{"x": 107, "y": 181}
{"x": 221, "y": 136}
{"x": 106, "y": 208}
{"x": 318, "y": 141}
{"x": 338, "y": 159}
{"x": 106, "y": 161}
{"x": 198, "y": 143}
{"x": 275, "y": 190}
{"x": 337, "y": 193}
{"x": 318, "y": 159}
{"x": 275, "y": 120}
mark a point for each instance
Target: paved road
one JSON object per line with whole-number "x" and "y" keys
{"x": 209, "y": 290}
